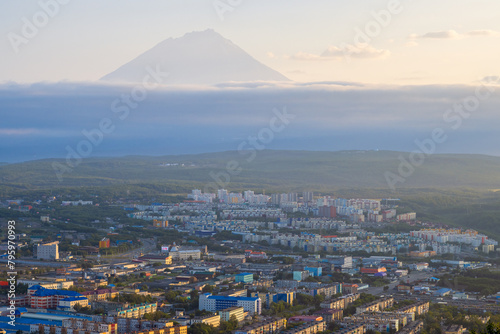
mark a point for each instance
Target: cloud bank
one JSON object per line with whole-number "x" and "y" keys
{"x": 42, "y": 120}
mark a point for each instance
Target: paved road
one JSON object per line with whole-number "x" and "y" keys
{"x": 412, "y": 277}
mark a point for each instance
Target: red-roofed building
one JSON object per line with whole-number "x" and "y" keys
{"x": 373, "y": 271}
{"x": 330, "y": 315}
{"x": 300, "y": 318}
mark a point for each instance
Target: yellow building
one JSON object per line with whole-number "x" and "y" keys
{"x": 167, "y": 330}
{"x": 160, "y": 223}
{"x": 104, "y": 243}
{"x": 212, "y": 320}
{"x": 238, "y": 312}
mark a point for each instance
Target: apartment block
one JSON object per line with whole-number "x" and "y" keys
{"x": 237, "y": 311}
{"x": 266, "y": 326}
{"x": 376, "y": 306}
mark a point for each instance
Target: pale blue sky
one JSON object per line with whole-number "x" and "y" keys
{"x": 90, "y": 38}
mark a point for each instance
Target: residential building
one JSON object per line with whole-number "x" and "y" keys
{"x": 300, "y": 275}
{"x": 237, "y": 311}
{"x": 212, "y": 320}
{"x": 135, "y": 311}
{"x": 376, "y": 306}
{"x": 266, "y": 326}
{"x": 178, "y": 254}
{"x": 352, "y": 329}
{"x": 244, "y": 278}
{"x": 310, "y": 327}
{"x": 69, "y": 303}
{"x": 314, "y": 271}
{"x": 330, "y": 315}
{"x": 211, "y": 303}
{"x": 41, "y": 298}
{"x": 49, "y": 251}
{"x": 100, "y": 294}
{"x": 104, "y": 243}
{"x": 454, "y": 329}
{"x": 417, "y": 308}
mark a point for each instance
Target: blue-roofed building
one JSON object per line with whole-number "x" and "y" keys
{"x": 252, "y": 305}
{"x": 442, "y": 292}
{"x": 53, "y": 298}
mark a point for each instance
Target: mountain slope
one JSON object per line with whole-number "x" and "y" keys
{"x": 204, "y": 58}
{"x": 293, "y": 170}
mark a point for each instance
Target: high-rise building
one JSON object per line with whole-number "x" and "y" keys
{"x": 48, "y": 251}
{"x": 307, "y": 196}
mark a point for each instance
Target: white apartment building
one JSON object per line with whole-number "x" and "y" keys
{"x": 48, "y": 251}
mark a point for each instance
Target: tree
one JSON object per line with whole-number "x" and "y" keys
{"x": 229, "y": 326}
{"x": 491, "y": 328}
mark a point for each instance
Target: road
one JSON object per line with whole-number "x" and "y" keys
{"x": 412, "y": 277}
{"x": 148, "y": 245}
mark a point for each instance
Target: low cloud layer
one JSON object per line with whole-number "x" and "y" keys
{"x": 344, "y": 52}
{"x": 452, "y": 34}
{"x": 42, "y": 120}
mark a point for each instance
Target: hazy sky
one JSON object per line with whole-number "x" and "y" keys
{"x": 422, "y": 42}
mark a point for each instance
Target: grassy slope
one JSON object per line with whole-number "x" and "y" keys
{"x": 273, "y": 169}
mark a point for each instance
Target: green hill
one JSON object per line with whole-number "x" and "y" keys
{"x": 286, "y": 170}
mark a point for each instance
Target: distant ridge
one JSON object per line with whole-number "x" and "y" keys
{"x": 270, "y": 169}
{"x": 203, "y": 57}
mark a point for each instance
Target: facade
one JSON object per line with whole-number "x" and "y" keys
{"x": 77, "y": 327}
{"x": 238, "y": 312}
{"x": 41, "y": 298}
{"x": 270, "y": 325}
{"x": 211, "y": 320}
{"x": 100, "y": 294}
{"x": 244, "y": 278}
{"x": 300, "y": 275}
{"x": 349, "y": 288}
{"x": 310, "y": 327}
{"x": 156, "y": 259}
{"x": 133, "y": 325}
{"x": 136, "y": 311}
{"x": 104, "y": 243}
{"x": 454, "y": 329}
{"x": 185, "y": 254}
{"x": 314, "y": 271}
{"x": 160, "y": 223}
{"x": 376, "y": 306}
{"x": 418, "y": 308}
{"x": 287, "y": 297}
{"x": 330, "y": 315}
{"x": 252, "y": 305}
{"x": 327, "y": 211}
{"x": 68, "y": 304}
{"x": 48, "y": 251}
{"x": 352, "y": 329}
{"x": 413, "y": 327}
